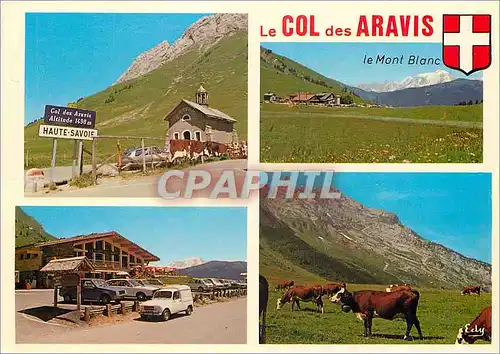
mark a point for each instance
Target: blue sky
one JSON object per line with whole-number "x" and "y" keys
{"x": 172, "y": 233}
{"x": 344, "y": 61}
{"x": 73, "y": 55}
{"x": 453, "y": 209}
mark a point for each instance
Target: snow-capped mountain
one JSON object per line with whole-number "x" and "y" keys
{"x": 186, "y": 263}
{"x": 420, "y": 80}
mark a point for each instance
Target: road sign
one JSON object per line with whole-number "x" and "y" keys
{"x": 53, "y": 131}
{"x": 69, "y": 117}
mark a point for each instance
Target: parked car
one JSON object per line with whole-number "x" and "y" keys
{"x": 134, "y": 289}
{"x": 151, "y": 154}
{"x": 151, "y": 282}
{"x": 168, "y": 301}
{"x": 243, "y": 284}
{"x": 94, "y": 290}
{"x": 235, "y": 284}
{"x": 201, "y": 285}
{"x": 217, "y": 283}
{"x": 227, "y": 283}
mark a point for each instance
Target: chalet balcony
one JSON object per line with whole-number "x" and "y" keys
{"x": 112, "y": 265}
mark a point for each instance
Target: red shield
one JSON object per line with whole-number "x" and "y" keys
{"x": 467, "y": 42}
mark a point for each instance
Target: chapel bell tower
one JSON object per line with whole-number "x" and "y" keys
{"x": 202, "y": 96}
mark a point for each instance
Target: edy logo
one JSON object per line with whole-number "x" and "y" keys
{"x": 467, "y": 42}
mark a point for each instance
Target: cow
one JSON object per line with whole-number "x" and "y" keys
{"x": 396, "y": 287}
{"x": 475, "y": 289}
{"x": 367, "y": 304}
{"x": 263, "y": 299}
{"x": 284, "y": 284}
{"x": 298, "y": 293}
{"x": 332, "y": 288}
{"x": 479, "y": 328}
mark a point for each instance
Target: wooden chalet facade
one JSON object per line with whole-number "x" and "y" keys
{"x": 109, "y": 253}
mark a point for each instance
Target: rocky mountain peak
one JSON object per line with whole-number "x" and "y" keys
{"x": 202, "y": 34}
{"x": 370, "y": 239}
{"x": 186, "y": 263}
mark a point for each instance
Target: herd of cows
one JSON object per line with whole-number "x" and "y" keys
{"x": 398, "y": 301}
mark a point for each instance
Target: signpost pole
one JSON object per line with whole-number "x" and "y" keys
{"x": 80, "y": 157}
{"x": 53, "y": 162}
{"x": 94, "y": 160}
{"x": 74, "y": 165}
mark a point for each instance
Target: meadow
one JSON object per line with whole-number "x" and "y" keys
{"x": 441, "y": 314}
{"x": 307, "y": 134}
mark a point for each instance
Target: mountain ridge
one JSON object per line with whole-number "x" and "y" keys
{"x": 206, "y": 31}
{"x": 419, "y": 80}
{"x": 29, "y": 231}
{"x": 342, "y": 240}
{"x": 216, "y": 269}
{"x": 447, "y": 93}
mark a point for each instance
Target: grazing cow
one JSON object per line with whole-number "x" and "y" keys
{"x": 396, "y": 287}
{"x": 367, "y": 304}
{"x": 302, "y": 293}
{"x": 332, "y": 288}
{"x": 475, "y": 289}
{"x": 285, "y": 284}
{"x": 263, "y": 298}
{"x": 480, "y": 328}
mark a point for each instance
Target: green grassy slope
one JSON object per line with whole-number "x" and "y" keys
{"x": 441, "y": 314}
{"x": 28, "y": 230}
{"x": 327, "y": 135}
{"x": 284, "y": 76}
{"x": 137, "y": 107}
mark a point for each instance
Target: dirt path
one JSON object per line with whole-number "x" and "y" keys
{"x": 450, "y": 123}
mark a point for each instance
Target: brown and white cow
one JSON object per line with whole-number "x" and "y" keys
{"x": 475, "y": 289}
{"x": 480, "y": 328}
{"x": 285, "y": 284}
{"x": 306, "y": 293}
{"x": 332, "y": 288}
{"x": 368, "y": 304}
{"x": 396, "y": 287}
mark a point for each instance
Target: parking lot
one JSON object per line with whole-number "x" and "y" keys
{"x": 38, "y": 322}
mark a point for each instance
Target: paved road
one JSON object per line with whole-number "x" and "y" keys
{"x": 147, "y": 186}
{"x": 29, "y": 328}
{"x": 218, "y": 323}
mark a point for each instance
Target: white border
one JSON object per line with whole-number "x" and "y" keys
{"x": 260, "y": 13}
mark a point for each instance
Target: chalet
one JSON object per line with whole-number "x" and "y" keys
{"x": 109, "y": 253}
{"x": 300, "y": 97}
{"x": 323, "y": 98}
{"x": 326, "y": 99}
{"x": 197, "y": 121}
{"x": 270, "y": 97}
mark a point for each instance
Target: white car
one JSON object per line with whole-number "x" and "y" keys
{"x": 217, "y": 283}
{"x": 168, "y": 301}
{"x": 134, "y": 289}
